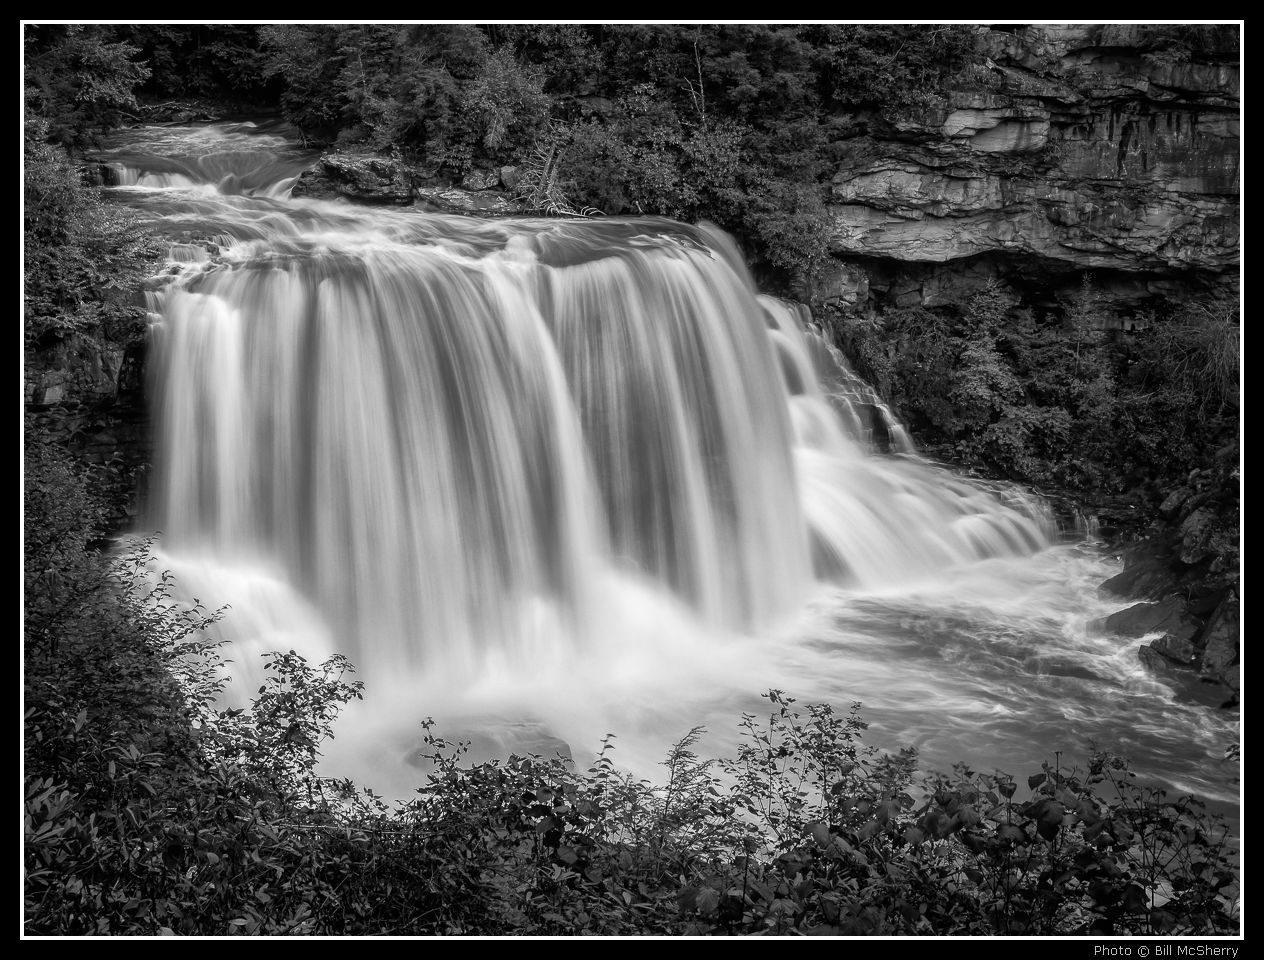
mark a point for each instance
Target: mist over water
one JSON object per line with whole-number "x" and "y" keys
{"x": 545, "y": 480}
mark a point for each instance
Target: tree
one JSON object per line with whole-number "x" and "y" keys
{"x": 79, "y": 80}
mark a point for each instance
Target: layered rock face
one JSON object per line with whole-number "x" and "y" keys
{"x": 1075, "y": 148}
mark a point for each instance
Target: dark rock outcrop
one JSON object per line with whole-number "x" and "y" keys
{"x": 1167, "y": 617}
{"x": 1076, "y": 148}
{"x": 367, "y": 178}
{"x": 1194, "y": 612}
{"x": 1221, "y": 651}
{"x": 73, "y": 368}
{"x": 485, "y": 203}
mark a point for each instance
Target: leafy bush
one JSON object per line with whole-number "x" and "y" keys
{"x": 83, "y": 261}
{"x": 804, "y": 831}
{"x": 1067, "y": 399}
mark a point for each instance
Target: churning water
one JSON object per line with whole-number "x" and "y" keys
{"x": 545, "y": 480}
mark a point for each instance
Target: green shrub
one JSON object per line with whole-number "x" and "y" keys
{"x": 83, "y": 261}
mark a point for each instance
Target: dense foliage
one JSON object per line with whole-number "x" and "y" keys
{"x": 735, "y": 123}
{"x": 1069, "y": 398}
{"x": 83, "y": 261}
{"x": 79, "y": 79}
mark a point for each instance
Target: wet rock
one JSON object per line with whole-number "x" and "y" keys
{"x": 181, "y": 112}
{"x": 1176, "y": 648}
{"x": 457, "y": 200}
{"x": 368, "y": 179}
{"x": 1168, "y": 617}
{"x": 1184, "y": 683}
{"x": 1221, "y": 639}
{"x": 1150, "y": 579}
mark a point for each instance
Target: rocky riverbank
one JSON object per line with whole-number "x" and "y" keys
{"x": 1185, "y": 575}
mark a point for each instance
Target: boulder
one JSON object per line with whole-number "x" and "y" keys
{"x": 1150, "y": 579}
{"x": 1168, "y": 617}
{"x": 456, "y": 200}
{"x": 1172, "y": 503}
{"x": 1177, "y": 648}
{"x": 1184, "y": 683}
{"x": 1196, "y": 534}
{"x": 368, "y": 179}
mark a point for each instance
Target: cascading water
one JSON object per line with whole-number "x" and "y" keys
{"x": 553, "y": 479}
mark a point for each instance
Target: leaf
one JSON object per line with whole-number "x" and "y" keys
{"x": 868, "y": 830}
{"x": 1053, "y": 812}
{"x": 1088, "y": 813}
{"x": 1047, "y": 829}
{"x": 762, "y": 889}
{"x": 968, "y": 816}
{"x": 1035, "y": 780}
{"x": 1134, "y": 899}
{"x": 830, "y": 908}
{"x": 1011, "y": 832}
{"x": 567, "y": 855}
{"x": 974, "y": 842}
{"x": 708, "y": 900}
{"x": 821, "y": 833}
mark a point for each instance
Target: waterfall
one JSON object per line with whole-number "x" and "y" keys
{"x": 576, "y": 475}
{"x": 440, "y": 442}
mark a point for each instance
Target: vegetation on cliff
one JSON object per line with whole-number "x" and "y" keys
{"x": 1062, "y": 398}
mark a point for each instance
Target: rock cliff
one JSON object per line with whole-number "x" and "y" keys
{"x": 1105, "y": 149}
